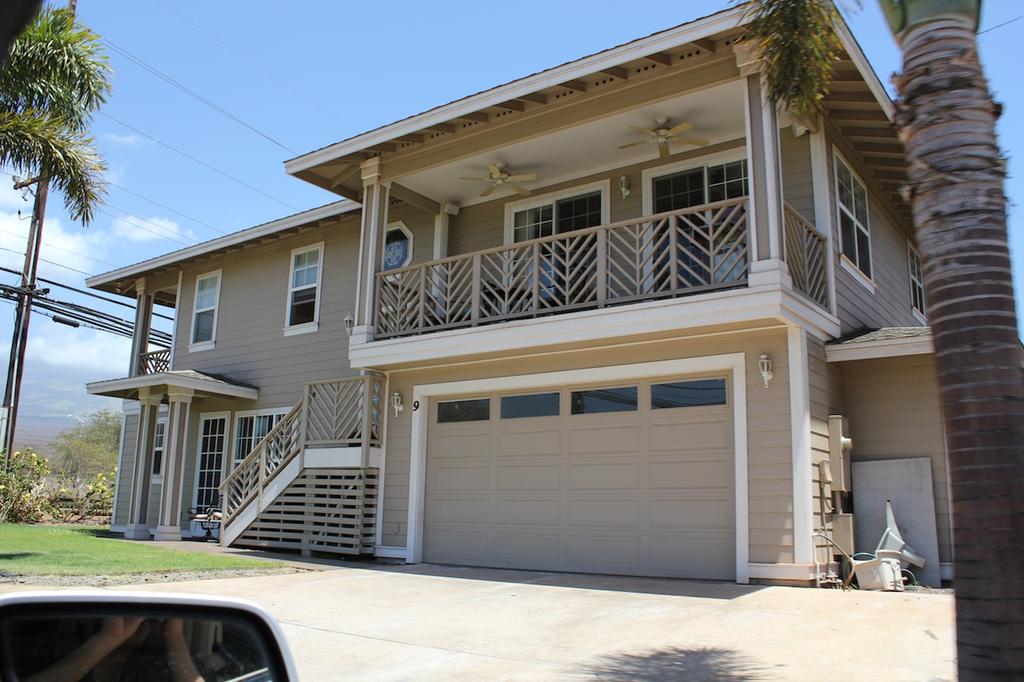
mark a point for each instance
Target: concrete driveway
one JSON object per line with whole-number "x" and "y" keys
{"x": 436, "y": 623}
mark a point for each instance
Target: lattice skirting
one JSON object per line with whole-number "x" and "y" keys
{"x": 322, "y": 510}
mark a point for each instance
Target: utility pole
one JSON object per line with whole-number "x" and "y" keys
{"x": 23, "y": 315}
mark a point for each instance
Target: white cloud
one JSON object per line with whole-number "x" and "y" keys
{"x": 126, "y": 140}
{"x": 87, "y": 351}
{"x": 13, "y": 199}
{"x": 73, "y": 249}
{"x": 148, "y": 229}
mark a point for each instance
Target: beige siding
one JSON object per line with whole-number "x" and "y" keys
{"x": 893, "y": 406}
{"x": 889, "y": 304}
{"x": 250, "y": 343}
{"x": 797, "y": 185}
{"x": 126, "y": 470}
{"x": 481, "y": 226}
{"x": 769, "y": 442}
{"x": 825, "y": 383}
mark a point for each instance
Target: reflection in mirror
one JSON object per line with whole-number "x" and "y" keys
{"x": 150, "y": 643}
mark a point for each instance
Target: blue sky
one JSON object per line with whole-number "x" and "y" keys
{"x": 308, "y": 74}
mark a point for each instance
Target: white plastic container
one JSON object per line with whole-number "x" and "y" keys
{"x": 879, "y": 574}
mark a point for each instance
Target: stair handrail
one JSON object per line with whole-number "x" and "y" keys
{"x": 256, "y": 458}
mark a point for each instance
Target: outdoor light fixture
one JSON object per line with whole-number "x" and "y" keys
{"x": 624, "y": 186}
{"x": 765, "y": 365}
{"x": 396, "y": 403}
{"x": 349, "y": 323}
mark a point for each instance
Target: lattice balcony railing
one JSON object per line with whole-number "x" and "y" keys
{"x": 807, "y": 258}
{"x": 155, "y": 361}
{"x": 690, "y": 250}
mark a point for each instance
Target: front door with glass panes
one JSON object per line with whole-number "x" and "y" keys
{"x": 555, "y": 260}
{"x": 250, "y": 429}
{"x": 705, "y": 252}
{"x": 210, "y": 460}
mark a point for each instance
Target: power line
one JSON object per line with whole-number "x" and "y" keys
{"x": 198, "y": 161}
{"x": 58, "y": 248}
{"x": 192, "y": 93}
{"x": 59, "y": 265}
{"x": 269, "y": 74}
{"x": 143, "y": 227}
{"x": 163, "y": 206}
{"x": 1010, "y": 21}
{"x": 86, "y": 292}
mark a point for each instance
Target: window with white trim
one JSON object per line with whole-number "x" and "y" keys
{"x": 397, "y": 247}
{"x": 304, "y": 287}
{"x": 700, "y": 185}
{"x": 204, "y": 312}
{"x": 852, "y": 207}
{"x": 250, "y": 429}
{"x": 159, "y": 438}
{"x": 916, "y": 280}
{"x": 558, "y": 216}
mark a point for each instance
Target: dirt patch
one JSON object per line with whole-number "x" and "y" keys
{"x": 143, "y": 578}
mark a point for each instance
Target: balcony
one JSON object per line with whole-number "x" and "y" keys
{"x": 698, "y": 249}
{"x": 155, "y": 361}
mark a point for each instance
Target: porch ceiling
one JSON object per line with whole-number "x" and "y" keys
{"x": 716, "y": 113}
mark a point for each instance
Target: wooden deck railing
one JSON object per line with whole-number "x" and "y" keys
{"x": 155, "y": 361}
{"x": 806, "y": 256}
{"x": 690, "y": 250}
{"x": 337, "y": 413}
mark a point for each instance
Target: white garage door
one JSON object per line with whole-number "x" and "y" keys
{"x": 633, "y": 478}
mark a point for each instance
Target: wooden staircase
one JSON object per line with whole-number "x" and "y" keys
{"x": 311, "y": 483}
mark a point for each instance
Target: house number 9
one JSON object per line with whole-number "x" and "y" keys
{"x": 415, "y": 405}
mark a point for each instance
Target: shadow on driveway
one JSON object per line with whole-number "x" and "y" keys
{"x": 693, "y": 665}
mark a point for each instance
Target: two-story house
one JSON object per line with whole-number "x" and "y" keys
{"x": 595, "y": 319}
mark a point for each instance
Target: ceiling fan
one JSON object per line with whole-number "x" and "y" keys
{"x": 497, "y": 177}
{"x": 663, "y": 136}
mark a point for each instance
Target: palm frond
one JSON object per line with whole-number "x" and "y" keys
{"x": 56, "y": 65}
{"x": 32, "y": 143}
{"x": 796, "y": 42}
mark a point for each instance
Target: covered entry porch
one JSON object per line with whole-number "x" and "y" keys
{"x": 178, "y": 390}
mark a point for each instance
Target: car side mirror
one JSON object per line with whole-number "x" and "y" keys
{"x": 71, "y": 636}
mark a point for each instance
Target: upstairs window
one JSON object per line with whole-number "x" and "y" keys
{"x": 204, "y": 317}
{"x": 557, "y": 215}
{"x": 852, "y": 206}
{"x": 916, "y": 281}
{"x": 701, "y": 185}
{"x": 304, "y": 289}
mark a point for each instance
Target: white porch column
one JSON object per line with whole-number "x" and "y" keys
{"x": 765, "y": 170}
{"x": 180, "y": 403}
{"x": 143, "y": 320}
{"x": 138, "y": 510}
{"x": 441, "y": 222}
{"x": 371, "y": 243}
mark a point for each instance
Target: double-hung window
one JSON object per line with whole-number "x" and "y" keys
{"x": 204, "y": 316}
{"x": 916, "y": 281}
{"x": 304, "y": 289}
{"x": 250, "y": 429}
{"x": 852, "y": 206}
{"x": 159, "y": 440}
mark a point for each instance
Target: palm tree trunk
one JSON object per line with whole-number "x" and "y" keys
{"x": 947, "y": 121}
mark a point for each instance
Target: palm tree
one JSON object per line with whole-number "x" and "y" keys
{"x": 946, "y": 119}
{"x": 55, "y": 77}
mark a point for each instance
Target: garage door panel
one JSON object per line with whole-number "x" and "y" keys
{"x": 648, "y": 492}
{"x": 467, "y": 478}
{"x": 603, "y": 475}
{"x": 523, "y": 476}
{"x": 605, "y": 512}
{"x": 527, "y": 511}
{"x": 527, "y": 443}
{"x": 689, "y": 437}
{"x": 692, "y": 513}
{"x": 610, "y": 439}
{"x": 460, "y": 509}
{"x": 689, "y": 475}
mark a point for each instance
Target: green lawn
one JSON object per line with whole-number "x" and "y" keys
{"x": 83, "y": 550}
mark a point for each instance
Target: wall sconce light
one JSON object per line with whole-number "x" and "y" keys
{"x": 349, "y": 324}
{"x": 624, "y": 186}
{"x": 396, "y": 403}
{"x": 765, "y": 366}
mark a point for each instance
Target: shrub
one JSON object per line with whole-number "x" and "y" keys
{"x": 21, "y": 485}
{"x": 67, "y": 500}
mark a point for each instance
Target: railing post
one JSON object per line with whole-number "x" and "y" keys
{"x": 602, "y": 267}
{"x": 474, "y": 312}
{"x": 535, "y": 276}
{"x": 673, "y": 251}
{"x": 262, "y": 461}
{"x": 421, "y": 315}
{"x": 366, "y": 434}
